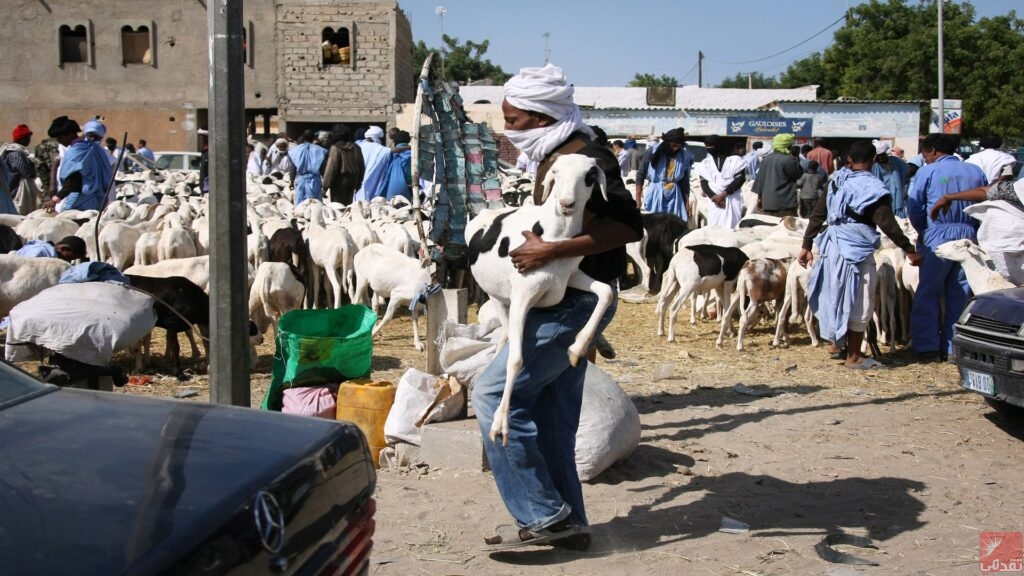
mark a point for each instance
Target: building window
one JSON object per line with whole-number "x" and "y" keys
{"x": 137, "y": 45}
{"x": 75, "y": 44}
{"x": 337, "y": 46}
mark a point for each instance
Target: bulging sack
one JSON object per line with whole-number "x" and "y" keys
{"x": 609, "y": 427}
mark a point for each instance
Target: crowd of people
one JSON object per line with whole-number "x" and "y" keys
{"x": 338, "y": 165}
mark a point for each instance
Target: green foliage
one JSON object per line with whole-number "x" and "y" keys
{"x": 463, "y": 63}
{"x": 652, "y": 81}
{"x": 756, "y": 80}
{"x": 888, "y": 50}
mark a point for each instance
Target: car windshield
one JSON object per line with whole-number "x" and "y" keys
{"x": 164, "y": 162}
{"x": 15, "y": 385}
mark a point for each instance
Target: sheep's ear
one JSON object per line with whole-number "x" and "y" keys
{"x": 549, "y": 182}
{"x": 595, "y": 176}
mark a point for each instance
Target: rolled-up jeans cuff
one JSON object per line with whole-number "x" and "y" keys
{"x": 543, "y": 523}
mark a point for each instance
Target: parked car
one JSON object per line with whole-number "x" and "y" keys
{"x": 104, "y": 483}
{"x": 988, "y": 347}
{"x": 177, "y": 160}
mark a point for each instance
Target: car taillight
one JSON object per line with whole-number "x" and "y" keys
{"x": 354, "y": 544}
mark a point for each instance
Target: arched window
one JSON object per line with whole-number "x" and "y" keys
{"x": 74, "y": 44}
{"x": 136, "y": 45}
{"x": 336, "y": 46}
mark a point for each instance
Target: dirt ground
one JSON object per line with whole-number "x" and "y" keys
{"x": 902, "y": 456}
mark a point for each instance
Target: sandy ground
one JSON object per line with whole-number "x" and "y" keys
{"x": 901, "y": 456}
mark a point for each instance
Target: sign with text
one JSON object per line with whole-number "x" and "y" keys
{"x": 768, "y": 127}
{"x": 951, "y": 114}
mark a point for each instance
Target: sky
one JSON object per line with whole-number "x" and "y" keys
{"x": 605, "y": 43}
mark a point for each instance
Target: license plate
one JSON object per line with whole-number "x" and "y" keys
{"x": 979, "y": 382}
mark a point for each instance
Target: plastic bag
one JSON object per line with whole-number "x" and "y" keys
{"x": 316, "y": 401}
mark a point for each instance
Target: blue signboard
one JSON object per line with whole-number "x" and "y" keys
{"x": 768, "y": 127}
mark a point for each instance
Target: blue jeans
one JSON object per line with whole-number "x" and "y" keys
{"x": 536, "y": 472}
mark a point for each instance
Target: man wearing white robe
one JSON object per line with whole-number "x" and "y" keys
{"x": 991, "y": 159}
{"x": 721, "y": 176}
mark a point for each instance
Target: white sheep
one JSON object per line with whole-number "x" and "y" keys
{"x": 275, "y": 291}
{"x": 22, "y": 278}
{"x": 390, "y": 274}
{"x": 974, "y": 261}
{"x": 196, "y": 269}
{"x": 494, "y": 233}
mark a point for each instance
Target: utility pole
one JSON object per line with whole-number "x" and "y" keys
{"x": 229, "y": 313}
{"x": 547, "y": 53}
{"x": 750, "y": 81}
{"x": 700, "y": 69}
{"x": 942, "y": 75}
{"x": 440, "y": 11}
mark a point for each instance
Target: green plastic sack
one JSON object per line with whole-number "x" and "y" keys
{"x": 318, "y": 347}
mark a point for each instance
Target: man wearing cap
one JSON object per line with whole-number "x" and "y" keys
{"x": 669, "y": 176}
{"x": 931, "y": 319}
{"x": 893, "y": 173}
{"x": 777, "y": 174}
{"x": 69, "y": 249}
{"x": 722, "y": 174}
{"x": 536, "y": 471}
{"x": 375, "y": 159}
{"x": 18, "y": 173}
{"x": 85, "y": 170}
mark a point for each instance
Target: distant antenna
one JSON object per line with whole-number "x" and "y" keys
{"x": 440, "y": 11}
{"x": 547, "y": 52}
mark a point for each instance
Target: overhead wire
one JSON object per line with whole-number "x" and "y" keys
{"x": 797, "y": 45}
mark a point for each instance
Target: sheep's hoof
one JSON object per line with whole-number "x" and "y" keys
{"x": 499, "y": 430}
{"x": 574, "y": 358}
{"x": 419, "y": 346}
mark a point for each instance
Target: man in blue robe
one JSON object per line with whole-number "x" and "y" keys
{"x": 842, "y": 285}
{"x": 85, "y": 170}
{"x": 375, "y": 157}
{"x": 308, "y": 159}
{"x": 931, "y": 323}
{"x": 893, "y": 173}
{"x": 669, "y": 176}
{"x": 399, "y": 176}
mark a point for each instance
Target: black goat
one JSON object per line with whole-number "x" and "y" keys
{"x": 289, "y": 247}
{"x": 9, "y": 240}
{"x": 663, "y": 230}
{"x": 187, "y": 300}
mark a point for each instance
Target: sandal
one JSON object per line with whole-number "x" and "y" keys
{"x": 840, "y": 355}
{"x": 509, "y": 537}
{"x": 866, "y": 364}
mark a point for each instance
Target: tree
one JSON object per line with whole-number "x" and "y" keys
{"x": 463, "y": 63}
{"x": 887, "y": 50}
{"x": 755, "y": 80}
{"x": 652, "y": 81}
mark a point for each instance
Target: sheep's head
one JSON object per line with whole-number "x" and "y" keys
{"x": 958, "y": 250}
{"x": 571, "y": 181}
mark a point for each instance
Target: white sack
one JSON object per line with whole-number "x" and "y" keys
{"x": 86, "y": 321}
{"x": 414, "y": 394}
{"x": 609, "y": 428}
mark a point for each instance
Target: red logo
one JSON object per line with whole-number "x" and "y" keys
{"x": 1001, "y": 551}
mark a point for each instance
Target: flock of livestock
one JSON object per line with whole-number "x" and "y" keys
{"x": 158, "y": 228}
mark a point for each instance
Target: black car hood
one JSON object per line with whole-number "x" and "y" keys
{"x": 1003, "y": 305}
{"x": 94, "y": 483}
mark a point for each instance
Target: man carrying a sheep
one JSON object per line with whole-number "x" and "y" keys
{"x": 536, "y": 471}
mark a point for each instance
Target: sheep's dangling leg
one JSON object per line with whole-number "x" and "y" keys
{"x": 581, "y": 281}
{"x": 517, "y": 309}
{"x": 414, "y": 314}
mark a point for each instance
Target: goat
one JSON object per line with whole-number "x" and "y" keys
{"x": 196, "y": 269}
{"x": 662, "y": 231}
{"x": 493, "y": 234}
{"x": 185, "y": 298}
{"x": 275, "y": 291}
{"x": 287, "y": 246}
{"x": 797, "y": 280}
{"x": 9, "y": 240}
{"x": 759, "y": 281}
{"x": 694, "y": 270}
{"x": 972, "y": 258}
{"x": 390, "y": 274}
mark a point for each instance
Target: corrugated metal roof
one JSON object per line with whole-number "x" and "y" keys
{"x": 851, "y": 101}
{"x": 686, "y": 97}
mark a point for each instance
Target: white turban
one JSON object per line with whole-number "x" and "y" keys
{"x": 375, "y": 133}
{"x": 541, "y": 90}
{"x": 546, "y": 91}
{"x": 881, "y": 146}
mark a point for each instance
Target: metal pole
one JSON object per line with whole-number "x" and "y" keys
{"x": 942, "y": 76}
{"x": 700, "y": 69}
{"x": 229, "y": 301}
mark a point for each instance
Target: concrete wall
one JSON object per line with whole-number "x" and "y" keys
{"x": 364, "y": 91}
{"x": 166, "y": 102}
{"x": 158, "y": 102}
{"x": 896, "y": 122}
